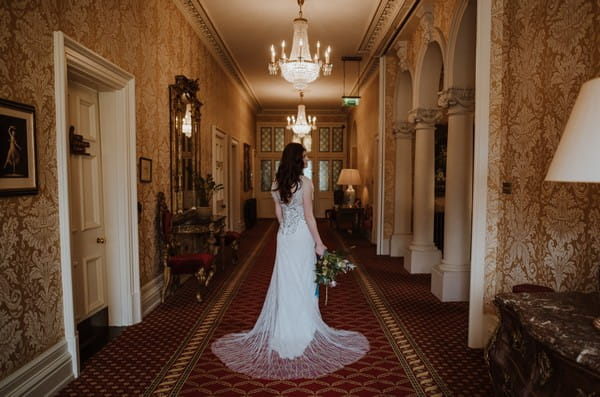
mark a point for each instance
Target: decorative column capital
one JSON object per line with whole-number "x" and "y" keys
{"x": 403, "y": 129}
{"x": 402, "y": 54}
{"x": 425, "y": 116}
{"x": 464, "y": 97}
{"x": 426, "y": 23}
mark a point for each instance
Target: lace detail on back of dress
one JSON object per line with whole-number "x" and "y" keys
{"x": 293, "y": 212}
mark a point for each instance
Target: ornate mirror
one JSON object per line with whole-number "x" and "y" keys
{"x": 185, "y": 142}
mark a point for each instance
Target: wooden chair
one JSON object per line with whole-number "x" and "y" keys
{"x": 200, "y": 265}
{"x": 232, "y": 239}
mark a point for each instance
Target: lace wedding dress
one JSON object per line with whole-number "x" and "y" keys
{"x": 289, "y": 339}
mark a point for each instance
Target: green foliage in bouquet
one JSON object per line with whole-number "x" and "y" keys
{"x": 328, "y": 267}
{"x": 206, "y": 187}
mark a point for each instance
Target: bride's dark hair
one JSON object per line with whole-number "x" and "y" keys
{"x": 290, "y": 169}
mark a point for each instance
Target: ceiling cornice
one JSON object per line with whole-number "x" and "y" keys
{"x": 194, "y": 12}
{"x": 390, "y": 18}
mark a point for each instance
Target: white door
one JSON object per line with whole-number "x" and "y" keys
{"x": 235, "y": 181}
{"x": 87, "y": 212}
{"x": 220, "y": 171}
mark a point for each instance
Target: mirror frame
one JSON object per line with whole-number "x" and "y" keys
{"x": 182, "y": 93}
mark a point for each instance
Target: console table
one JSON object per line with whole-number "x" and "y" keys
{"x": 546, "y": 345}
{"x": 348, "y": 218}
{"x": 196, "y": 234}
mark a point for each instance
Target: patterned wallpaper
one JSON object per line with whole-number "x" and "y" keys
{"x": 366, "y": 118}
{"x": 390, "y": 147}
{"x": 547, "y": 232}
{"x": 149, "y": 39}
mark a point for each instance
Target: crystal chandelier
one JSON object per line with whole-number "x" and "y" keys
{"x": 301, "y": 125}
{"x": 300, "y": 68}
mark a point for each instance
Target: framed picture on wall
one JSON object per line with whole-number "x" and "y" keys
{"x": 247, "y": 169}
{"x": 145, "y": 169}
{"x": 17, "y": 149}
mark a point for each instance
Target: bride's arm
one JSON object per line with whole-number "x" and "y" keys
{"x": 278, "y": 211}
{"x": 307, "y": 194}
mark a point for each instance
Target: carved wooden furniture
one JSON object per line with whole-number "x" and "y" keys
{"x": 232, "y": 239}
{"x": 546, "y": 345}
{"x": 176, "y": 262}
{"x": 200, "y": 234}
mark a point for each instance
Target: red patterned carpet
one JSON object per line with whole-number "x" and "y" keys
{"x": 439, "y": 329}
{"x": 129, "y": 363}
{"x": 169, "y": 353}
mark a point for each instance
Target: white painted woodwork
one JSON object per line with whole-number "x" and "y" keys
{"x": 116, "y": 97}
{"x": 234, "y": 220}
{"x": 87, "y": 211}
{"x": 220, "y": 173}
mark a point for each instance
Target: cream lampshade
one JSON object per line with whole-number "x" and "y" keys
{"x": 349, "y": 176}
{"x": 576, "y": 158}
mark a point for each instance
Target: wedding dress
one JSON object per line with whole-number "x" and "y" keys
{"x": 289, "y": 339}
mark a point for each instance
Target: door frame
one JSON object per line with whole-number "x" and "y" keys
{"x": 216, "y": 131}
{"x": 234, "y": 176}
{"x": 117, "y": 119}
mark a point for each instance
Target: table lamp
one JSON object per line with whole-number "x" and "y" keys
{"x": 349, "y": 176}
{"x": 576, "y": 158}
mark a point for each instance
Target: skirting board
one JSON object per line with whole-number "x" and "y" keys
{"x": 151, "y": 293}
{"x": 45, "y": 375}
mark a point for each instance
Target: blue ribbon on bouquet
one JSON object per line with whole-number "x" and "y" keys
{"x": 317, "y": 284}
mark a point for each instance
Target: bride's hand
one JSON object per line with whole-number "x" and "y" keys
{"x": 320, "y": 249}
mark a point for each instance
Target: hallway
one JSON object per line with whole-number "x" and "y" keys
{"x": 411, "y": 354}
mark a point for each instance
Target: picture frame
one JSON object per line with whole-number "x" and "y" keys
{"x": 247, "y": 169}
{"x": 145, "y": 169}
{"x": 18, "y": 160}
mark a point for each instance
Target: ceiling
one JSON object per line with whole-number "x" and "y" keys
{"x": 240, "y": 32}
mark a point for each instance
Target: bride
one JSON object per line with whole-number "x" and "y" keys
{"x": 289, "y": 339}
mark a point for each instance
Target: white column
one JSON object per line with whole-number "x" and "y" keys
{"x": 423, "y": 253}
{"x": 450, "y": 279}
{"x": 400, "y": 240}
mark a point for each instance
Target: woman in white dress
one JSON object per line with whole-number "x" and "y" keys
{"x": 289, "y": 339}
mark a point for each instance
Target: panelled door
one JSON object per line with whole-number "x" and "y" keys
{"x": 326, "y": 153}
{"x": 220, "y": 171}
{"x": 328, "y": 157}
{"x": 86, "y": 206}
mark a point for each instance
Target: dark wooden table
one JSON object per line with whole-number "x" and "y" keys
{"x": 348, "y": 218}
{"x": 546, "y": 345}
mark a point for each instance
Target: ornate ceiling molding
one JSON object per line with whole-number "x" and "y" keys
{"x": 389, "y": 19}
{"x": 201, "y": 23}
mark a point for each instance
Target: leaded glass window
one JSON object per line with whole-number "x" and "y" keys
{"x": 323, "y": 175}
{"x": 266, "y": 139}
{"x": 336, "y": 168}
{"x": 279, "y": 139}
{"x": 308, "y": 170}
{"x": 337, "y": 143}
{"x": 324, "y": 139}
{"x": 266, "y": 175}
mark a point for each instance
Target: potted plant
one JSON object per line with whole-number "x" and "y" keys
{"x": 205, "y": 188}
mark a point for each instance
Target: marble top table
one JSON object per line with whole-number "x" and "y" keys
{"x": 562, "y": 321}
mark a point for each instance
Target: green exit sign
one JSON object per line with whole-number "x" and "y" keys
{"x": 350, "y": 100}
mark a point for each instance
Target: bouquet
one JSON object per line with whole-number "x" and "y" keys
{"x": 328, "y": 267}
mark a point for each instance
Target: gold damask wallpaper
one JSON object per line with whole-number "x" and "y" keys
{"x": 547, "y": 233}
{"x": 365, "y": 117}
{"x": 151, "y": 40}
